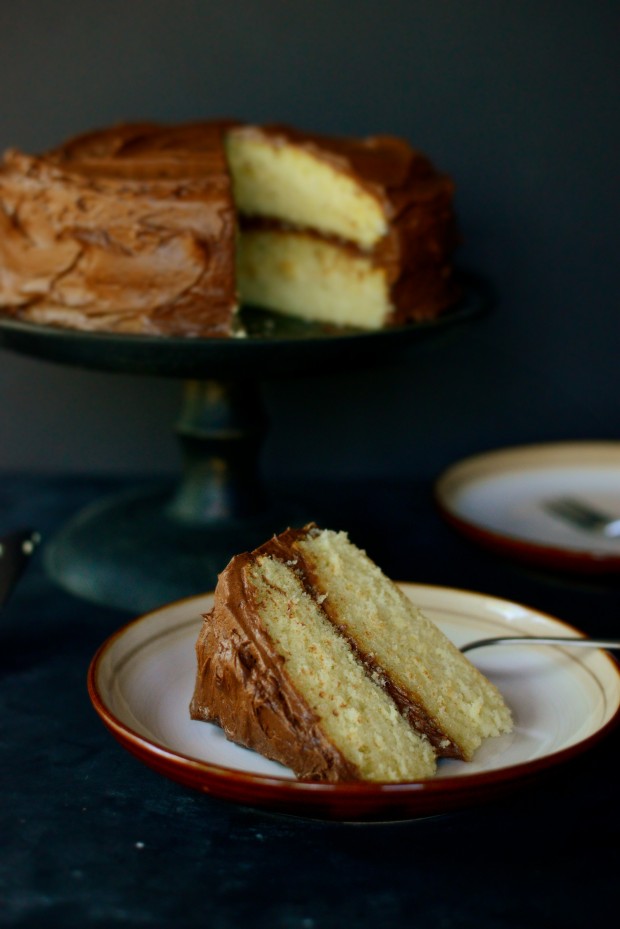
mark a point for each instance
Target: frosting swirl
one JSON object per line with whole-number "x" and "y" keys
{"x": 130, "y": 229}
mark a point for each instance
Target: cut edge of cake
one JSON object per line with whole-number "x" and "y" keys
{"x": 353, "y": 232}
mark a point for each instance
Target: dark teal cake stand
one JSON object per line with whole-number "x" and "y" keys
{"x": 139, "y": 550}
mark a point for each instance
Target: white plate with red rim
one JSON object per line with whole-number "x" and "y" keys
{"x": 498, "y": 499}
{"x": 141, "y": 680}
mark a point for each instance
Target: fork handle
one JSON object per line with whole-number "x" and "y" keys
{"x": 610, "y": 644}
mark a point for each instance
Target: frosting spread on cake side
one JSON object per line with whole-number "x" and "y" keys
{"x": 240, "y": 685}
{"x": 131, "y": 229}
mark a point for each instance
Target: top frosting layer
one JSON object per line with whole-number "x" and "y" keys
{"x": 143, "y": 151}
{"x": 130, "y": 229}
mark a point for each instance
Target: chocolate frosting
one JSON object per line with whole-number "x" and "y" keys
{"x": 241, "y": 683}
{"x": 242, "y": 686}
{"x": 129, "y": 229}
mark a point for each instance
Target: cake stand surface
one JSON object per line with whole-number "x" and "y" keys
{"x": 142, "y": 549}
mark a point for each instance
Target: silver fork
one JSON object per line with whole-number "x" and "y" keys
{"x": 576, "y": 641}
{"x": 584, "y": 516}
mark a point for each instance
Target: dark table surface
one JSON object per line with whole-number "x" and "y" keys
{"x": 90, "y": 837}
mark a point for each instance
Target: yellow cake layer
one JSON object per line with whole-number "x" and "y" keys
{"x": 285, "y": 182}
{"x": 303, "y": 276}
{"x": 412, "y": 650}
{"x": 355, "y": 713}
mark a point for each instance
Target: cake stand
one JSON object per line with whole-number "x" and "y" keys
{"x": 141, "y": 549}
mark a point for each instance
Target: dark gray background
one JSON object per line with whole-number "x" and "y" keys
{"x": 518, "y": 101}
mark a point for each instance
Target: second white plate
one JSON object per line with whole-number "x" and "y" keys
{"x": 498, "y": 499}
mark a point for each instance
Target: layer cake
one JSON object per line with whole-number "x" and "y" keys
{"x": 165, "y": 230}
{"x": 314, "y": 658}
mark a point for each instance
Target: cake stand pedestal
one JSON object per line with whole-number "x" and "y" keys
{"x": 146, "y": 547}
{"x": 141, "y": 549}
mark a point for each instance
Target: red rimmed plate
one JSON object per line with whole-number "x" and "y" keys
{"x": 140, "y": 682}
{"x": 498, "y": 498}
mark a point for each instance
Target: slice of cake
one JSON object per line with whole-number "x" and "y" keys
{"x": 130, "y": 229}
{"x": 356, "y": 232}
{"x": 314, "y": 658}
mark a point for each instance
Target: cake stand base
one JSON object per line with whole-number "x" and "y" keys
{"x": 141, "y": 549}
{"x": 129, "y": 551}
